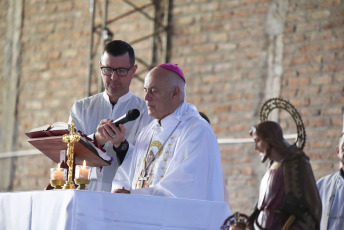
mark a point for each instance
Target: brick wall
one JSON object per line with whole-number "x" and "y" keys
{"x": 223, "y": 49}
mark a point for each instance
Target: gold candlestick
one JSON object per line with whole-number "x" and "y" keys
{"x": 58, "y": 177}
{"x": 82, "y": 176}
{"x": 57, "y": 184}
{"x": 82, "y": 183}
{"x": 70, "y": 139}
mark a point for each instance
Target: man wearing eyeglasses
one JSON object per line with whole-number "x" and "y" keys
{"x": 93, "y": 116}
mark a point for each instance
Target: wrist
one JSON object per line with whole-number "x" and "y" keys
{"x": 117, "y": 145}
{"x": 98, "y": 142}
{"x": 122, "y": 147}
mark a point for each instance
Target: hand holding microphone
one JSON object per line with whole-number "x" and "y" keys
{"x": 129, "y": 116}
{"x": 111, "y": 131}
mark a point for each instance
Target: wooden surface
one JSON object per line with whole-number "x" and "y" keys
{"x": 51, "y": 147}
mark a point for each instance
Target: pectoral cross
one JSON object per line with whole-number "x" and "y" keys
{"x": 143, "y": 177}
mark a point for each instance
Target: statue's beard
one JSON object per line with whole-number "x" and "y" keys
{"x": 265, "y": 156}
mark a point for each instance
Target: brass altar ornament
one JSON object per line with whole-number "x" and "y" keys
{"x": 70, "y": 139}
{"x": 82, "y": 183}
{"x": 57, "y": 184}
{"x": 237, "y": 221}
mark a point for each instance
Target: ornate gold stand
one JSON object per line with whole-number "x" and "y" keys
{"x": 70, "y": 139}
{"x": 82, "y": 183}
{"x": 57, "y": 184}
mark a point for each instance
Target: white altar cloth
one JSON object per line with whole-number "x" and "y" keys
{"x": 75, "y": 209}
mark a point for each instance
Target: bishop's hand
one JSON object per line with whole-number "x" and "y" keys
{"x": 121, "y": 190}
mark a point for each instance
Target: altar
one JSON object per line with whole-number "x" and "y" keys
{"x": 80, "y": 209}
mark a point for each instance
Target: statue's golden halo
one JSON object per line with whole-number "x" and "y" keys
{"x": 279, "y": 103}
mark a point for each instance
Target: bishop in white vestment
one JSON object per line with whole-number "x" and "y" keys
{"x": 187, "y": 160}
{"x": 177, "y": 154}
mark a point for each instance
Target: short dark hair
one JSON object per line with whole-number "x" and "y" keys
{"x": 118, "y": 47}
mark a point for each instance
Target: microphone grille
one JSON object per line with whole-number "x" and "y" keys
{"x": 133, "y": 114}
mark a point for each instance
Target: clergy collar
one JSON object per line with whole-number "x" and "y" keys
{"x": 122, "y": 99}
{"x": 173, "y": 117}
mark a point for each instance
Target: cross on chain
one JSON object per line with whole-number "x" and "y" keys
{"x": 143, "y": 176}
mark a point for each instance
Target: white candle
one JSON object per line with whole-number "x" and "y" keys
{"x": 58, "y": 174}
{"x": 83, "y": 171}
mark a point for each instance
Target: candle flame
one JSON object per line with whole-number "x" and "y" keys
{"x": 84, "y": 164}
{"x": 58, "y": 166}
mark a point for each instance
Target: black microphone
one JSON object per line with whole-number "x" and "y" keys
{"x": 129, "y": 116}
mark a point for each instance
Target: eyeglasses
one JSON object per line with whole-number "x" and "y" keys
{"x": 122, "y": 72}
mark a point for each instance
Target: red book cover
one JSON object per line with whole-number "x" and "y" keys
{"x": 56, "y": 129}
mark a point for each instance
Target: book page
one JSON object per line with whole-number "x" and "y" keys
{"x": 41, "y": 128}
{"x": 59, "y": 125}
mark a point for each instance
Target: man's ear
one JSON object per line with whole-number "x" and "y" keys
{"x": 176, "y": 91}
{"x": 337, "y": 150}
{"x": 135, "y": 68}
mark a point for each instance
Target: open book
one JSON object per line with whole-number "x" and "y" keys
{"x": 48, "y": 140}
{"x": 55, "y": 129}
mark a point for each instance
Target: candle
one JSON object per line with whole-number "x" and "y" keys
{"x": 83, "y": 171}
{"x": 58, "y": 173}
